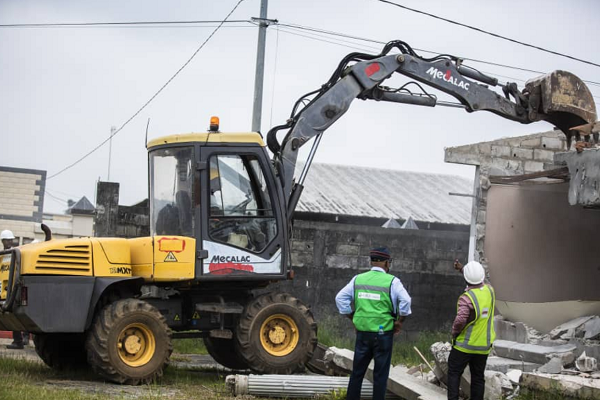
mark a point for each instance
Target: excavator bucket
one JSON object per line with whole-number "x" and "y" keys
{"x": 565, "y": 101}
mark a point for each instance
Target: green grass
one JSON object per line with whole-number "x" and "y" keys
{"x": 338, "y": 331}
{"x": 189, "y": 346}
{"x": 28, "y": 380}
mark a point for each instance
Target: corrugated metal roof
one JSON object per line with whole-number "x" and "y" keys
{"x": 383, "y": 193}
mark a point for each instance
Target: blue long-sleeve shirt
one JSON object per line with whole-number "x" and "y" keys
{"x": 400, "y": 297}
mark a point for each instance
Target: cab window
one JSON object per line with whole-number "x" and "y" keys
{"x": 241, "y": 212}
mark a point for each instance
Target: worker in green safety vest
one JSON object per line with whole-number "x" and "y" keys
{"x": 380, "y": 306}
{"x": 472, "y": 331}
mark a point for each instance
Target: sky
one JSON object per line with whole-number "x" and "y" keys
{"x": 62, "y": 89}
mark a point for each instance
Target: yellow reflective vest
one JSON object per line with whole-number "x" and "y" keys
{"x": 479, "y": 335}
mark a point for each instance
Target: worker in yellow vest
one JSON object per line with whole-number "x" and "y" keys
{"x": 472, "y": 331}
{"x": 381, "y": 303}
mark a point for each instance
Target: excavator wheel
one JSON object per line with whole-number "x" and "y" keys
{"x": 129, "y": 342}
{"x": 224, "y": 352}
{"x": 276, "y": 334}
{"x": 61, "y": 351}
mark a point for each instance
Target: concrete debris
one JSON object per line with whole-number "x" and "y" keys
{"x": 554, "y": 366}
{"x": 513, "y": 331}
{"x": 534, "y": 353}
{"x": 399, "y": 382}
{"x": 569, "y": 329}
{"x": 318, "y": 366}
{"x": 592, "y": 329}
{"x": 431, "y": 378}
{"x": 294, "y": 386}
{"x": 497, "y": 385}
{"x": 410, "y": 388}
{"x": 515, "y": 376}
{"x": 339, "y": 359}
{"x": 585, "y": 363}
{"x": 501, "y": 364}
{"x": 574, "y": 386}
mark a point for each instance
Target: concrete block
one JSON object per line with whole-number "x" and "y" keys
{"x": 532, "y": 143}
{"x": 552, "y": 143}
{"x": 348, "y": 249}
{"x": 585, "y": 363}
{"x": 497, "y": 384}
{"x": 513, "y": 331}
{"x": 515, "y": 376}
{"x": 501, "y": 364}
{"x": 543, "y": 155}
{"x": 533, "y": 166}
{"x": 531, "y": 352}
{"x": 592, "y": 329}
{"x": 523, "y": 154}
{"x": 501, "y": 151}
{"x": 461, "y": 158}
{"x": 506, "y": 165}
{"x": 574, "y": 386}
{"x": 485, "y": 148}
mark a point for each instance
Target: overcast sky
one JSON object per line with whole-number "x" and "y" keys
{"x": 62, "y": 89}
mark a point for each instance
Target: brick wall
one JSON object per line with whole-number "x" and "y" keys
{"x": 326, "y": 256}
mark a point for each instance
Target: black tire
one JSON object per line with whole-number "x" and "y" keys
{"x": 225, "y": 353}
{"x": 61, "y": 351}
{"x": 135, "y": 325}
{"x": 258, "y": 312}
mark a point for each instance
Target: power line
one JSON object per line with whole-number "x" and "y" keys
{"x": 489, "y": 33}
{"x": 333, "y": 33}
{"x": 317, "y": 37}
{"x": 118, "y": 24}
{"x": 152, "y": 98}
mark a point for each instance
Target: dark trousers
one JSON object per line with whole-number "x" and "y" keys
{"x": 369, "y": 346}
{"x": 17, "y": 337}
{"x": 457, "y": 363}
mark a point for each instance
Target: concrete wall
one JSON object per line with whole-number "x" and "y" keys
{"x": 326, "y": 256}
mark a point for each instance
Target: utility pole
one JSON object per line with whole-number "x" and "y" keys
{"x": 260, "y": 67}
{"x": 112, "y": 132}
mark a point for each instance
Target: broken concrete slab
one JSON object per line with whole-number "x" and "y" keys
{"x": 339, "y": 360}
{"x": 399, "y": 381}
{"x": 497, "y": 385}
{"x": 507, "y": 330}
{"x": 568, "y": 329}
{"x": 574, "y": 386}
{"x": 515, "y": 376}
{"x": 501, "y": 364}
{"x": 592, "y": 329}
{"x": 554, "y": 366}
{"x": 409, "y": 387}
{"x": 534, "y": 353}
{"x": 318, "y": 366}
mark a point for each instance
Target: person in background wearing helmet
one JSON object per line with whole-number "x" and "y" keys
{"x": 472, "y": 331}
{"x": 380, "y": 306}
{"x": 8, "y": 243}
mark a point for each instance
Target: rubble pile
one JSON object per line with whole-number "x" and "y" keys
{"x": 565, "y": 360}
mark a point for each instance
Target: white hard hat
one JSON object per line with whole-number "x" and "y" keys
{"x": 6, "y": 234}
{"x": 474, "y": 273}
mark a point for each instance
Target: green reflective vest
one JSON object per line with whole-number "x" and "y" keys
{"x": 477, "y": 337}
{"x": 373, "y": 302}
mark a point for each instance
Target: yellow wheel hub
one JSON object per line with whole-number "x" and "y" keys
{"x": 136, "y": 345}
{"x": 279, "y": 335}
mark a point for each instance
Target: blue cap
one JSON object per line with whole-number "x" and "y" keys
{"x": 380, "y": 254}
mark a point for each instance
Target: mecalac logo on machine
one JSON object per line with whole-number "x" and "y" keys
{"x": 230, "y": 259}
{"x": 447, "y": 77}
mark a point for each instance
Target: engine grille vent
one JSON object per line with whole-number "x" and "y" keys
{"x": 69, "y": 258}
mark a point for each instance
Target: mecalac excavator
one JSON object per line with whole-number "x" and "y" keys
{"x": 220, "y": 220}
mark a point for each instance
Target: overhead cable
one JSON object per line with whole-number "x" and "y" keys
{"x": 333, "y": 33}
{"x": 118, "y": 24}
{"x": 151, "y": 98}
{"x": 490, "y": 33}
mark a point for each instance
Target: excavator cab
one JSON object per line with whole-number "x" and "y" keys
{"x": 217, "y": 192}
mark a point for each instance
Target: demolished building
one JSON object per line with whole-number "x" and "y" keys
{"x": 534, "y": 225}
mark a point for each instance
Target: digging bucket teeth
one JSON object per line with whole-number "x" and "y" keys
{"x": 564, "y": 100}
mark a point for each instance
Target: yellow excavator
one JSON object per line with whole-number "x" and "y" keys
{"x": 221, "y": 210}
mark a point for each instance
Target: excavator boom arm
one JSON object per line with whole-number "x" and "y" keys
{"x": 538, "y": 101}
